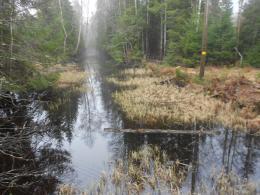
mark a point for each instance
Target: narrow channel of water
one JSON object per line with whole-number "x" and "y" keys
{"x": 77, "y": 124}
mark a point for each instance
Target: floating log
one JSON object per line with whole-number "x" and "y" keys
{"x": 162, "y": 131}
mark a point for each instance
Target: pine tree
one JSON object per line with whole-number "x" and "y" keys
{"x": 221, "y": 40}
{"x": 250, "y": 33}
{"x": 181, "y": 30}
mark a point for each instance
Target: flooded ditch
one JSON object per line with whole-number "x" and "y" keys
{"x": 73, "y": 147}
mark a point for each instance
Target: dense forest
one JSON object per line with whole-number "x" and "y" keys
{"x": 171, "y": 31}
{"x": 35, "y": 32}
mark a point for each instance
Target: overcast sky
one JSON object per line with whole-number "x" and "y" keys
{"x": 235, "y": 6}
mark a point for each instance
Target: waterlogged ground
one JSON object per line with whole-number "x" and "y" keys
{"x": 75, "y": 122}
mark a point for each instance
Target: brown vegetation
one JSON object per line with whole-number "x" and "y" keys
{"x": 149, "y": 171}
{"x": 70, "y": 75}
{"x": 153, "y": 97}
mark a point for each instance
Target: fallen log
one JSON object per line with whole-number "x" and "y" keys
{"x": 162, "y": 131}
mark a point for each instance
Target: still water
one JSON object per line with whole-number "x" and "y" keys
{"x": 76, "y": 121}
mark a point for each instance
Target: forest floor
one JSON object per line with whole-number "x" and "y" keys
{"x": 166, "y": 97}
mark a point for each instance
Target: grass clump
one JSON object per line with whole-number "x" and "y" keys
{"x": 68, "y": 76}
{"x": 73, "y": 78}
{"x": 231, "y": 183}
{"x": 258, "y": 76}
{"x": 148, "y": 170}
{"x": 153, "y": 105}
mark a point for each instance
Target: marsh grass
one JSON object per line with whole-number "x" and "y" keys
{"x": 148, "y": 104}
{"x": 231, "y": 183}
{"x": 149, "y": 171}
{"x": 68, "y": 76}
{"x": 73, "y": 78}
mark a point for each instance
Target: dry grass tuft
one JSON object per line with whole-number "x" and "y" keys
{"x": 147, "y": 170}
{"x": 70, "y": 75}
{"x": 72, "y": 78}
{"x": 148, "y": 104}
{"x": 232, "y": 184}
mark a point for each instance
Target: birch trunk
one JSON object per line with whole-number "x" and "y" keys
{"x": 161, "y": 36}
{"x": 135, "y": 7}
{"x": 198, "y": 15}
{"x": 63, "y": 27}
{"x": 147, "y": 22}
{"x": 165, "y": 30}
{"x": 80, "y": 29}
{"x": 11, "y": 35}
{"x": 241, "y": 3}
{"x": 119, "y": 5}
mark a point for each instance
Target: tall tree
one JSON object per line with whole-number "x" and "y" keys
{"x": 250, "y": 33}
{"x": 222, "y": 38}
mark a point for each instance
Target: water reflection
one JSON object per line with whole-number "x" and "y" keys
{"x": 71, "y": 125}
{"x": 206, "y": 155}
{"x": 27, "y": 166}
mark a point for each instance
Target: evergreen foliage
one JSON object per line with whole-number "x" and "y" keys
{"x": 171, "y": 30}
{"x": 250, "y": 33}
{"x": 31, "y": 32}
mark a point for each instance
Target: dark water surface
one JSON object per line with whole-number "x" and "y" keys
{"x": 75, "y": 122}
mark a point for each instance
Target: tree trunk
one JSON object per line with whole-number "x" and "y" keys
{"x": 161, "y": 131}
{"x": 63, "y": 27}
{"x": 147, "y": 33}
{"x": 204, "y": 41}
{"x": 135, "y": 7}
{"x": 11, "y": 35}
{"x": 241, "y": 3}
{"x": 161, "y": 35}
{"x": 165, "y": 30}
{"x": 80, "y": 29}
{"x": 119, "y": 5}
{"x": 198, "y": 15}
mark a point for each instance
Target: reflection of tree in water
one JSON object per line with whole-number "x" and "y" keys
{"x": 230, "y": 152}
{"x": 207, "y": 155}
{"x": 26, "y": 166}
{"x": 61, "y": 114}
{"x": 240, "y": 153}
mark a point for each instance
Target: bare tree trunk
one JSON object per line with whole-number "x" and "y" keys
{"x": 119, "y": 5}
{"x": 64, "y": 29}
{"x": 241, "y": 3}
{"x": 165, "y": 30}
{"x": 11, "y": 35}
{"x": 80, "y": 28}
{"x": 161, "y": 35}
{"x": 198, "y": 15}
{"x": 204, "y": 41}
{"x": 146, "y": 36}
{"x": 135, "y": 7}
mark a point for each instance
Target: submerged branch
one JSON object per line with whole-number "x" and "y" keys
{"x": 161, "y": 131}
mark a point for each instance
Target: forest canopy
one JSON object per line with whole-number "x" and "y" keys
{"x": 171, "y": 31}
{"x": 33, "y": 32}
